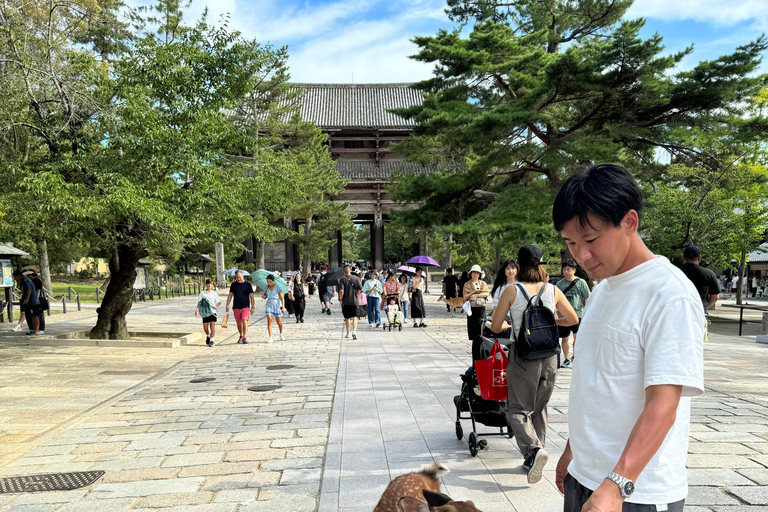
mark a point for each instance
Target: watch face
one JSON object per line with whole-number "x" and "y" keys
{"x": 629, "y": 488}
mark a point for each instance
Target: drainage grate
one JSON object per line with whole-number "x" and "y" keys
{"x": 267, "y": 387}
{"x": 202, "y": 379}
{"x": 280, "y": 367}
{"x": 49, "y": 482}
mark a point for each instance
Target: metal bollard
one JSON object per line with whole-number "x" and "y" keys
{"x": 69, "y": 292}
{"x": 64, "y": 305}
{"x": 133, "y": 297}
{"x": 97, "y": 295}
{"x": 166, "y": 292}
{"x": 151, "y": 294}
{"x": 79, "y": 308}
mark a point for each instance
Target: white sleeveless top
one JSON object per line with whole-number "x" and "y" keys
{"x": 516, "y": 311}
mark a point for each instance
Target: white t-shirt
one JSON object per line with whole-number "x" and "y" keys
{"x": 211, "y": 297}
{"x": 735, "y": 280}
{"x": 642, "y": 328}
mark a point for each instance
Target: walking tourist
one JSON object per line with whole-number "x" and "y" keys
{"x": 576, "y": 290}
{"x": 30, "y": 301}
{"x": 242, "y": 305}
{"x": 207, "y": 302}
{"x": 475, "y": 291}
{"x": 349, "y": 285}
{"x": 417, "y": 300}
{"x": 735, "y": 285}
{"x": 391, "y": 290}
{"x": 530, "y": 382}
{"x": 462, "y": 281}
{"x": 705, "y": 281}
{"x": 506, "y": 277}
{"x": 405, "y": 296}
{"x": 325, "y": 291}
{"x": 755, "y": 284}
{"x": 274, "y": 308}
{"x": 311, "y": 282}
{"x": 299, "y": 298}
{"x": 373, "y": 290}
{"x": 41, "y": 296}
{"x": 640, "y": 355}
{"x": 450, "y": 282}
{"x": 289, "y": 296}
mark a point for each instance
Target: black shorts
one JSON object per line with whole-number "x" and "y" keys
{"x": 564, "y": 331}
{"x": 32, "y": 310}
{"x": 209, "y": 319}
{"x": 349, "y": 311}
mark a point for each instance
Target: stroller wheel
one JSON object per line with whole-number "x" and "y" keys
{"x": 482, "y": 444}
{"x": 459, "y": 431}
{"x": 384, "y": 327}
{"x": 473, "y": 444}
{"x": 390, "y": 327}
{"x": 400, "y": 327}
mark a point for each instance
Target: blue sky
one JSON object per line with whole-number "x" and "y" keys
{"x": 365, "y": 41}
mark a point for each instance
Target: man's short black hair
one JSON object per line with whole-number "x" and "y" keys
{"x": 17, "y": 273}
{"x": 606, "y": 191}
{"x": 449, "y": 271}
{"x": 570, "y": 264}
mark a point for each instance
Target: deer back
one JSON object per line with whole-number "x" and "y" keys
{"x": 410, "y": 485}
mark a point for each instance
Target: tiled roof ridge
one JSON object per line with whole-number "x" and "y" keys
{"x": 399, "y": 85}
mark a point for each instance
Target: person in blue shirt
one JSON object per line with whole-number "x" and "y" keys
{"x": 30, "y": 302}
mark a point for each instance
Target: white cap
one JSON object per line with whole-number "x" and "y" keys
{"x": 475, "y": 268}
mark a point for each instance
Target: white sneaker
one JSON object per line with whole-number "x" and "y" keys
{"x": 40, "y": 332}
{"x": 354, "y": 335}
{"x": 17, "y": 328}
{"x": 346, "y": 335}
{"x": 270, "y": 340}
{"x": 537, "y": 468}
{"x": 282, "y": 336}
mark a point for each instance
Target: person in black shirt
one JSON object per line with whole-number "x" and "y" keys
{"x": 41, "y": 297}
{"x": 242, "y": 306}
{"x": 349, "y": 285}
{"x": 451, "y": 282}
{"x": 703, "y": 279}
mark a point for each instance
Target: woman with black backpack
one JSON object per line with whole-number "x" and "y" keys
{"x": 531, "y": 302}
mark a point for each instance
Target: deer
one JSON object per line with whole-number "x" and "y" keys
{"x": 453, "y": 303}
{"x": 420, "y": 492}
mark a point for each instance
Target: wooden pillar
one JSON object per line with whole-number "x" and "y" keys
{"x": 377, "y": 239}
{"x": 289, "y": 261}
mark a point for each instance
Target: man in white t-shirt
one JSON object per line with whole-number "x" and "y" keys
{"x": 641, "y": 345}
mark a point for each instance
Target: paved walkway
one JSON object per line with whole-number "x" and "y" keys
{"x": 350, "y": 415}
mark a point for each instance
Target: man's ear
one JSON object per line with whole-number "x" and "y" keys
{"x": 631, "y": 221}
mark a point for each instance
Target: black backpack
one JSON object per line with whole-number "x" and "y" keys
{"x": 538, "y": 337}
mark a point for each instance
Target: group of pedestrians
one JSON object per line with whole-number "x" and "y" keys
{"x": 33, "y": 302}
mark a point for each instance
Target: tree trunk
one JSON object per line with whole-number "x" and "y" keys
{"x": 45, "y": 268}
{"x": 111, "y": 323}
{"x": 740, "y": 282}
{"x": 258, "y": 253}
{"x": 306, "y": 260}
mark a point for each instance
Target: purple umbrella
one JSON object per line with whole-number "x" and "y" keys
{"x": 407, "y": 270}
{"x": 423, "y": 260}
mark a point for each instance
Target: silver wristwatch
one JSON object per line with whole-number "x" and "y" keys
{"x": 626, "y": 486}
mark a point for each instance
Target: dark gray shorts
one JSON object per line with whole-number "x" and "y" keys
{"x": 576, "y": 495}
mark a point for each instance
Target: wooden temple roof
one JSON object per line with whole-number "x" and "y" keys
{"x": 357, "y": 106}
{"x": 370, "y": 171}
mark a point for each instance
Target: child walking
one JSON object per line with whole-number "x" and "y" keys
{"x": 207, "y": 302}
{"x": 275, "y": 307}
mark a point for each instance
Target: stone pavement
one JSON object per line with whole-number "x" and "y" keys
{"x": 168, "y": 444}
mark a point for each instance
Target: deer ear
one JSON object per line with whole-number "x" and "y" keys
{"x": 413, "y": 505}
{"x": 435, "y": 499}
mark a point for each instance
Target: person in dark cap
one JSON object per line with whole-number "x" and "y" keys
{"x": 703, "y": 279}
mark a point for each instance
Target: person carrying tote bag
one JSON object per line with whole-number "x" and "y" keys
{"x": 475, "y": 292}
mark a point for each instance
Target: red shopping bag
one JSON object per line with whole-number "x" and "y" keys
{"x": 492, "y": 374}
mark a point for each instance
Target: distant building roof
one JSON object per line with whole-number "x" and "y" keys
{"x": 357, "y": 106}
{"x": 9, "y": 250}
{"x": 759, "y": 256}
{"x": 369, "y": 171}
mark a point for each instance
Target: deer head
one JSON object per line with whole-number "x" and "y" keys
{"x": 436, "y": 502}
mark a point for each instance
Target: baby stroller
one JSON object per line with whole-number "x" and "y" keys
{"x": 486, "y": 412}
{"x": 394, "y": 319}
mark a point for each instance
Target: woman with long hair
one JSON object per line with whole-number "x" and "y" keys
{"x": 530, "y": 382}
{"x": 299, "y": 298}
{"x": 275, "y": 307}
{"x": 417, "y": 300}
{"x": 462, "y": 281}
{"x": 405, "y": 296}
{"x": 506, "y": 276}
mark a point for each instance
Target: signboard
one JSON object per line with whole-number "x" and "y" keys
{"x": 140, "y": 283}
{"x": 6, "y": 274}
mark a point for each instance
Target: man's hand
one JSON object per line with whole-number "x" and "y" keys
{"x": 562, "y": 468}
{"x": 606, "y": 498}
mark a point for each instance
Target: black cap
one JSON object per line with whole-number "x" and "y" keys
{"x": 528, "y": 253}
{"x": 691, "y": 252}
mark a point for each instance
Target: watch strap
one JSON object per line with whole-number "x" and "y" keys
{"x": 621, "y": 482}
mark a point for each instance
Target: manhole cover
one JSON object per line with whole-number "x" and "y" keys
{"x": 202, "y": 379}
{"x": 280, "y": 367}
{"x": 49, "y": 482}
{"x": 267, "y": 387}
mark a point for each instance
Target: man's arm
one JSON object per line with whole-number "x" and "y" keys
{"x": 229, "y": 299}
{"x": 712, "y": 300}
{"x": 649, "y": 432}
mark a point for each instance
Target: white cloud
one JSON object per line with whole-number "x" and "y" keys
{"x": 717, "y": 12}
